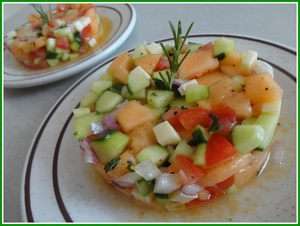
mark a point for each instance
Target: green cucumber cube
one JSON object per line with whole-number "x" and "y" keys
{"x": 89, "y": 99}
{"x": 139, "y": 52}
{"x": 156, "y": 153}
{"x": 99, "y": 87}
{"x": 196, "y": 92}
{"x": 110, "y": 145}
{"x": 199, "y": 157}
{"x": 222, "y": 46}
{"x": 82, "y": 125}
{"x": 145, "y": 187}
{"x": 160, "y": 98}
{"x": 246, "y": 138}
{"x": 135, "y": 83}
{"x": 193, "y": 46}
{"x": 269, "y": 122}
{"x": 108, "y": 101}
{"x": 182, "y": 148}
{"x": 78, "y": 112}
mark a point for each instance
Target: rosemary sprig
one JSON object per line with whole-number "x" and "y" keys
{"x": 43, "y": 15}
{"x": 166, "y": 82}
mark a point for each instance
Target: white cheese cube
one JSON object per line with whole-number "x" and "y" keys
{"x": 154, "y": 48}
{"x": 166, "y": 134}
{"x": 85, "y": 21}
{"x": 60, "y": 22}
{"x": 260, "y": 66}
{"x": 248, "y": 61}
{"x": 139, "y": 71}
{"x": 11, "y": 34}
{"x": 92, "y": 42}
{"x": 78, "y": 25}
{"x": 182, "y": 87}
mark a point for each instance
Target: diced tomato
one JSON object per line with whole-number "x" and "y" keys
{"x": 162, "y": 64}
{"x": 63, "y": 42}
{"x": 192, "y": 117}
{"x": 86, "y": 33}
{"x": 226, "y": 118}
{"x": 215, "y": 191}
{"x": 192, "y": 172}
{"x": 39, "y": 53}
{"x": 218, "y": 150}
{"x": 220, "y": 188}
{"x": 60, "y": 8}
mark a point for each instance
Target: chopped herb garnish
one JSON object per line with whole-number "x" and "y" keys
{"x": 112, "y": 164}
{"x": 43, "y": 15}
{"x": 215, "y": 126}
{"x": 173, "y": 55}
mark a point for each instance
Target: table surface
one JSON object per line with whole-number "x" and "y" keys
{"x": 25, "y": 109}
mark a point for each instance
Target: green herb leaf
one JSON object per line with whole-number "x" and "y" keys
{"x": 215, "y": 126}
{"x": 112, "y": 164}
{"x": 43, "y": 15}
{"x": 173, "y": 55}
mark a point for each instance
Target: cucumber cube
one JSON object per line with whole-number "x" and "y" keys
{"x": 51, "y": 44}
{"x": 65, "y": 31}
{"x": 144, "y": 187}
{"x": 166, "y": 134}
{"x": 108, "y": 101}
{"x": 52, "y": 62}
{"x": 89, "y": 99}
{"x": 269, "y": 122}
{"x": 78, "y": 112}
{"x": 159, "y": 98}
{"x": 156, "y": 153}
{"x": 193, "y": 46}
{"x": 139, "y": 52}
{"x": 110, "y": 145}
{"x": 199, "y": 157}
{"x": 196, "y": 92}
{"x": 246, "y": 138}
{"x": 137, "y": 195}
{"x": 222, "y": 46}
{"x": 135, "y": 83}
{"x": 248, "y": 61}
{"x": 99, "y": 87}
{"x": 182, "y": 148}
{"x": 82, "y": 125}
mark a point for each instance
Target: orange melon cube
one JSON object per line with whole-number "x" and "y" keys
{"x": 240, "y": 103}
{"x": 262, "y": 88}
{"x": 210, "y": 78}
{"x": 148, "y": 62}
{"x": 120, "y": 67}
{"x": 198, "y": 63}
{"x": 132, "y": 115}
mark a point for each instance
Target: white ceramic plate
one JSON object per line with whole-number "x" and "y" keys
{"x": 123, "y": 18}
{"x": 59, "y": 186}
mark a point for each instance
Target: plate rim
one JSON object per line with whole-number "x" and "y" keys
{"x": 25, "y": 193}
{"x": 90, "y": 61}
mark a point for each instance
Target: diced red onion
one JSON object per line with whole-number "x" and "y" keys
{"x": 85, "y": 144}
{"x": 110, "y": 122}
{"x": 179, "y": 82}
{"x": 191, "y": 190}
{"x": 89, "y": 155}
{"x": 147, "y": 170}
{"x": 98, "y": 128}
{"x": 127, "y": 180}
{"x": 166, "y": 183}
